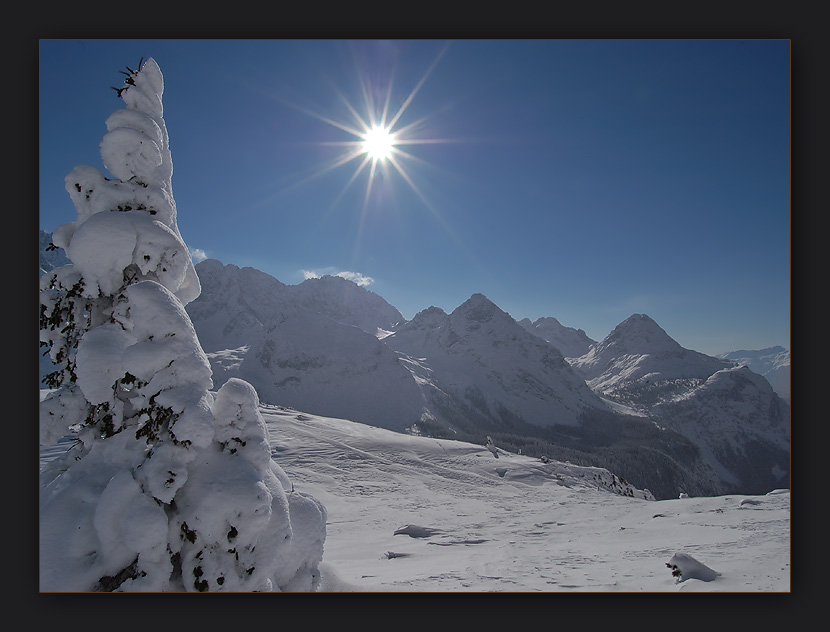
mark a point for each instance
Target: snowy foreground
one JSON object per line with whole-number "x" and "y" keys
{"x": 408, "y": 513}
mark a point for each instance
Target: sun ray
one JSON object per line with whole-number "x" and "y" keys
{"x": 349, "y": 183}
{"x": 334, "y": 164}
{"x": 369, "y": 102}
{"x": 355, "y": 114}
{"x": 418, "y": 87}
{"x": 325, "y": 119}
{"x": 386, "y": 103}
{"x": 399, "y": 168}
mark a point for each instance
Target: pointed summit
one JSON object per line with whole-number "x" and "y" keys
{"x": 479, "y": 310}
{"x": 478, "y": 307}
{"x": 431, "y": 317}
{"x": 640, "y": 334}
{"x": 639, "y": 349}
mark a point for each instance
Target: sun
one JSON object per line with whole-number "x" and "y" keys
{"x": 378, "y": 143}
{"x": 379, "y": 140}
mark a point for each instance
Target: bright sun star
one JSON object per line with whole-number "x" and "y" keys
{"x": 378, "y": 138}
{"x": 378, "y": 143}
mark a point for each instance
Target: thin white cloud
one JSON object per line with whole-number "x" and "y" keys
{"x": 197, "y": 254}
{"x": 361, "y": 279}
{"x": 355, "y": 277}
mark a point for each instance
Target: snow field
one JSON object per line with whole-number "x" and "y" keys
{"x": 408, "y": 513}
{"x": 540, "y": 527}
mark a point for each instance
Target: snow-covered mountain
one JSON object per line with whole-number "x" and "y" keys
{"x": 740, "y": 425}
{"x": 467, "y": 374}
{"x": 483, "y": 373}
{"x": 732, "y": 415}
{"x": 773, "y": 363}
{"x": 493, "y": 370}
{"x": 572, "y": 343}
{"x": 639, "y": 351}
{"x": 256, "y": 328}
{"x": 347, "y": 303}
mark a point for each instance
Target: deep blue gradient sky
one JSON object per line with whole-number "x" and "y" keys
{"x": 585, "y": 180}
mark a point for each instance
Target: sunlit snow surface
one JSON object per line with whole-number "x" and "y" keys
{"x": 512, "y": 523}
{"x": 466, "y": 521}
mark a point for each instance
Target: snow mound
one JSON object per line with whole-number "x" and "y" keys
{"x": 685, "y": 567}
{"x": 416, "y": 531}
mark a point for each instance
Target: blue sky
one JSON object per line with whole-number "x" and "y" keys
{"x": 582, "y": 179}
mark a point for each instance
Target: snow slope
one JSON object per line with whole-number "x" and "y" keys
{"x": 418, "y": 514}
{"x": 741, "y": 426}
{"x": 408, "y": 513}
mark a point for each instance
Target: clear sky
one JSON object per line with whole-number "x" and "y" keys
{"x": 582, "y": 179}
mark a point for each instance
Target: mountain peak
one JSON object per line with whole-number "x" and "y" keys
{"x": 430, "y": 313}
{"x": 479, "y": 308}
{"x": 640, "y": 333}
{"x": 332, "y": 280}
{"x": 347, "y": 302}
{"x": 638, "y": 349}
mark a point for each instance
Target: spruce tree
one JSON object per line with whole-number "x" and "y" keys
{"x": 168, "y": 486}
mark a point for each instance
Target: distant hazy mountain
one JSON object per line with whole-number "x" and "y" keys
{"x": 571, "y": 342}
{"x": 254, "y": 327}
{"x": 347, "y": 303}
{"x": 773, "y": 363}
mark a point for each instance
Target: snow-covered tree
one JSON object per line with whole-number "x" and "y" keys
{"x": 168, "y": 486}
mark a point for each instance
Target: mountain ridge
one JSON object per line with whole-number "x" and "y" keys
{"x": 488, "y": 362}
{"x": 572, "y": 343}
